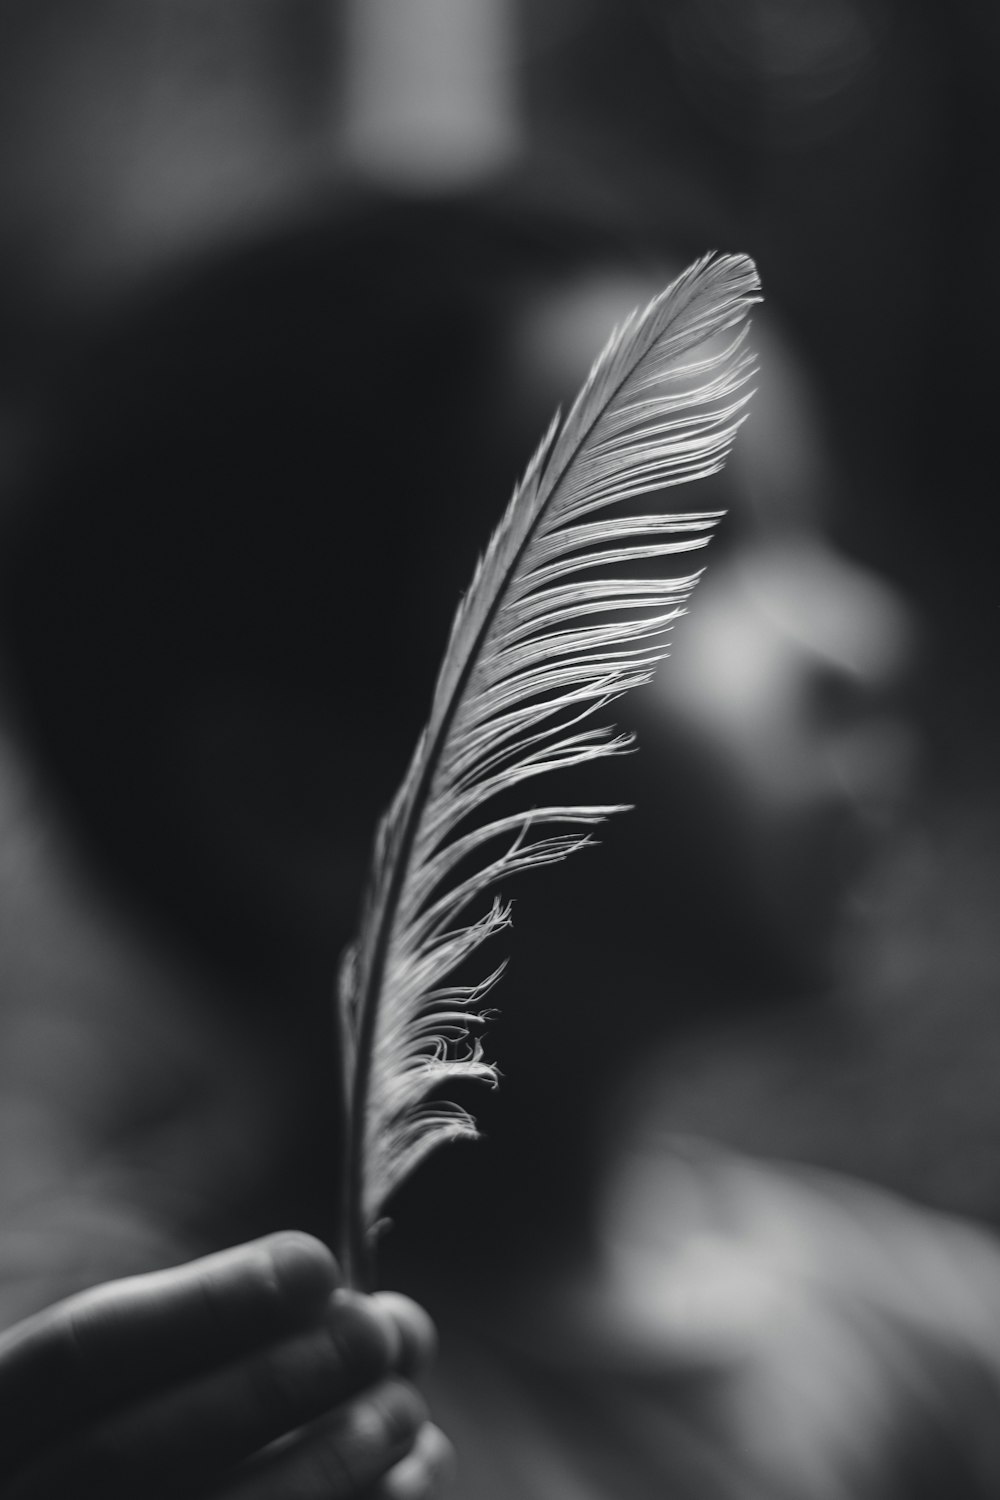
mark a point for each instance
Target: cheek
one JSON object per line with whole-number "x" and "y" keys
{"x": 794, "y": 801}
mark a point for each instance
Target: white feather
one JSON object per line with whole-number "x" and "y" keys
{"x": 547, "y": 634}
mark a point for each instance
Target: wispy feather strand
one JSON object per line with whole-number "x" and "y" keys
{"x": 547, "y": 634}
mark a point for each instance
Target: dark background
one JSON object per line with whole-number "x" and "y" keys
{"x": 849, "y": 145}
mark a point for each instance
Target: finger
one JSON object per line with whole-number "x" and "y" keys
{"x": 341, "y": 1457}
{"x": 416, "y": 1332}
{"x": 428, "y": 1466}
{"x": 127, "y": 1338}
{"x": 182, "y": 1440}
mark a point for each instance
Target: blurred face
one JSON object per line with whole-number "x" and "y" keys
{"x": 785, "y": 693}
{"x": 779, "y": 706}
{"x": 775, "y": 736}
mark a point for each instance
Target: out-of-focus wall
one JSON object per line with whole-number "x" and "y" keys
{"x": 130, "y": 133}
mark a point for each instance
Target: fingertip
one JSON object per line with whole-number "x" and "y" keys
{"x": 367, "y": 1335}
{"x": 416, "y": 1334}
{"x": 304, "y": 1271}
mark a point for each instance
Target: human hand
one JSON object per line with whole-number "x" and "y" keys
{"x": 247, "y": 1375}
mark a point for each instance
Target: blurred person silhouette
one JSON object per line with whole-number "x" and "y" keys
{"x": 226, "y": 578}
{"x": 656, "y": 1312}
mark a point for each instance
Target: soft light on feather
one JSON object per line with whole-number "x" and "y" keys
{"x": 548, "y": 633}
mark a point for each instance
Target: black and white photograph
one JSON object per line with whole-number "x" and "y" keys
{"x": 499, "y": 750}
